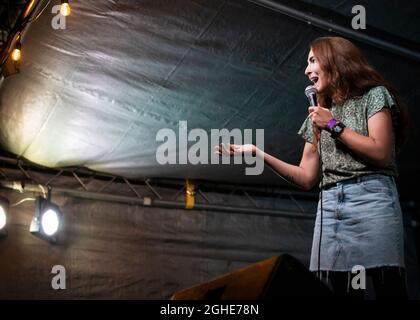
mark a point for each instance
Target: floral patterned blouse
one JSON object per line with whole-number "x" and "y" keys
{"x": 338, "y": 161}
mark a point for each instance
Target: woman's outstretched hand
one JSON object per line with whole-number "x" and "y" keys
{"x": 234, "y": 149}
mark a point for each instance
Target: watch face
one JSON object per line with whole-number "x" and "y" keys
{"x": 337, "y": 129}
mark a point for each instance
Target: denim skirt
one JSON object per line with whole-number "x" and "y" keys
{"x": 361, "y": 225}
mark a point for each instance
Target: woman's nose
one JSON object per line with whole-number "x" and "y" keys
{"x": 307, "y": 71}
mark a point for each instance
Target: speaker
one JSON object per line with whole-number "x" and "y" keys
{"x": 282, "y": 277}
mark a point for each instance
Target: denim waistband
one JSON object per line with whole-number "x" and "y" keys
{"x": 357, "y": 179}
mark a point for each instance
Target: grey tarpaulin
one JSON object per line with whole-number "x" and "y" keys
{"x": 122, "y": 251}
{"x": 96, "y": 94}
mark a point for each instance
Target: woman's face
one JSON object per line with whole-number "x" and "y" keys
{"x": 314, "y": 72}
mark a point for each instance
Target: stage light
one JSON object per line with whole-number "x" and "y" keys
{"x": 3, "y": 218}
{"x": 47, "y": 220}
{"x": 65, "y": 9}
{"x": 50, "y": 222}
{"x": 17, "y": 52}
{"x": 4, "y": 209}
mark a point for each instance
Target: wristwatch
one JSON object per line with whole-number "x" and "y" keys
{"x": 337, "y": 129}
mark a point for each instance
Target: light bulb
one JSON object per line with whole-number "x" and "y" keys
{"x": 50, "y": 222}
{"x": 65, "y": 9}
{"x": 2, "y": 218}
{"x": 16, "y": 54}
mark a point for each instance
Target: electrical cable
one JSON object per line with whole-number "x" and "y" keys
{"x": 40, "y": 12}
{"x": 22, "y": 201}
{"x": 321, "y": 201}
{"x": 19, "y": 30}
{"x": 43, "y": 191}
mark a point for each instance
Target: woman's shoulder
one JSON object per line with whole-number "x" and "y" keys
{"x": 379, "y": 92}
{"x": 377, "y": 98}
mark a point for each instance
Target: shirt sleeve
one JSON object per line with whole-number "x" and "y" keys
{"x": 306, "y": 130}
{"x": 379, "y": 98}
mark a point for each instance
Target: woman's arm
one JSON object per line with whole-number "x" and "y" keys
{"x": 305, "y": 175}
{"x": 375, "y": 148}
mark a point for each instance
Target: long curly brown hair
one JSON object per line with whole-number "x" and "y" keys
{"x": 350, "y": 75}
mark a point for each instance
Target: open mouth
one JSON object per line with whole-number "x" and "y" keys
{"x": 314, "y": 79}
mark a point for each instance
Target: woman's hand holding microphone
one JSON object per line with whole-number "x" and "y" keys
{"x": 319, "y": 117}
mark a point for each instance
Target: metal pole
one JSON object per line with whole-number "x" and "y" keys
{"x": 147, "y": 202}
{"x": 333, "y": 27}
{"x": 172, "y": 183}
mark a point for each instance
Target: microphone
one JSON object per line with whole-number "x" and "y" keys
{"x": 310, "y": 92}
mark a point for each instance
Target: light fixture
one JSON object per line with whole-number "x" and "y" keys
{"x": 65, "y": 9}
{"x": 17, "y": 52}
{"x": 4, "y": 210}
{"x": 47, "y": 220}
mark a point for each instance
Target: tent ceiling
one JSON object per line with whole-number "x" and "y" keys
{"x": 97, "y": 93}
{"x": 389, "y": 16}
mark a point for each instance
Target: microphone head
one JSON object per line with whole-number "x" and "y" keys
{"x": 310, "y": 90}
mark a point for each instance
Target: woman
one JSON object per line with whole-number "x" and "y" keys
{"x": 353, "y": 135}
